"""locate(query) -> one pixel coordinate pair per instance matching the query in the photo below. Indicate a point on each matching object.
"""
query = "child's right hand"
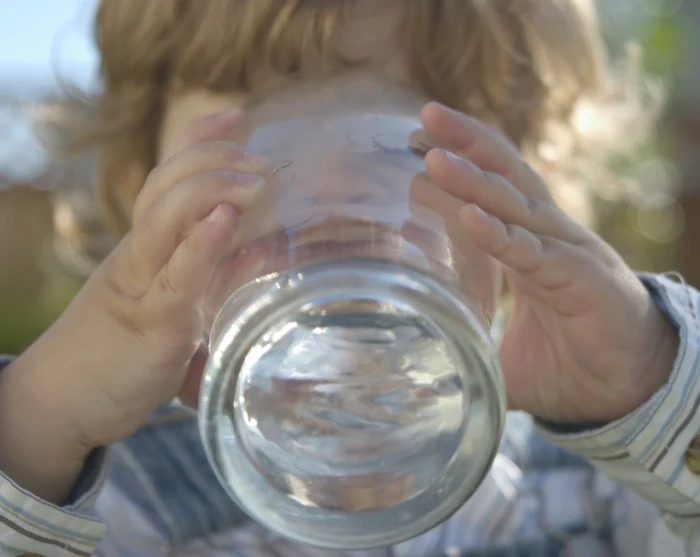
(130, 339)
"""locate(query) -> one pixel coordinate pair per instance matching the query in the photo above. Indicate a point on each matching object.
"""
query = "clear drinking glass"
(352, 398)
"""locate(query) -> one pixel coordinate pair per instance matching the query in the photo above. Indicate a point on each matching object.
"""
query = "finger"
(484, 146)
(435, 229)
(183, 280)
(202, 158)
(156, 236)
(434, 215)
(426, 194)
(419, 142)
(497, 196)
(541, 260)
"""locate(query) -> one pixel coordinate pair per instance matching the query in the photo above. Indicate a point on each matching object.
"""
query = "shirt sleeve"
(649, 450)
(31, 526)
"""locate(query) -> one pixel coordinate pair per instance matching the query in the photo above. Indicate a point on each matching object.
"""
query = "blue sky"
(38, 37)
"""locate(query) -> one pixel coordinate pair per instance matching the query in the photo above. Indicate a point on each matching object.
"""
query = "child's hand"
(585, 342)
(127, 343)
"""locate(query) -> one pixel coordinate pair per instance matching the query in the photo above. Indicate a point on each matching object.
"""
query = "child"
(589, 350)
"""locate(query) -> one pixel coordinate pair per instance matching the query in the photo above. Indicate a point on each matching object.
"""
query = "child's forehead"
(370, 33)
(217, 71)
(371, 29)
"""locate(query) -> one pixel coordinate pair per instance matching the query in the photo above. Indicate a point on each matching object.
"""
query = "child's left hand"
(585, 342)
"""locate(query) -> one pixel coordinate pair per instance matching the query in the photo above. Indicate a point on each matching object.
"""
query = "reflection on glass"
(352, 398)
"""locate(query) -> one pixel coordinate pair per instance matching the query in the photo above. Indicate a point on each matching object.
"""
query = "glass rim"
(246, 316)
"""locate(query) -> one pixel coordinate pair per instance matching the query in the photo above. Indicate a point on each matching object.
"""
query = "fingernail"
(217, 214)
(251, 181)
(443, 107)
(461, 163)
(483, 214)
(436, 104)
(471, 209)
(454, 159)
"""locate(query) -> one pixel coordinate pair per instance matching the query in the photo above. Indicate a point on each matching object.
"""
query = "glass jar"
(352, 397)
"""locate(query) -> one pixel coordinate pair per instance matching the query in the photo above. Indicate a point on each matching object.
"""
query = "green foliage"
(644, 233)
(25, 317)
(662, 40)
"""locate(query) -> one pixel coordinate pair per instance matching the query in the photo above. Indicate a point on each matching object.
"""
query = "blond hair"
(526, 65)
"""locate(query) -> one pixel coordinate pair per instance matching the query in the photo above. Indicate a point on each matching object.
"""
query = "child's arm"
(29, 524)
(588, 342)
(653, 450)
(128, 343)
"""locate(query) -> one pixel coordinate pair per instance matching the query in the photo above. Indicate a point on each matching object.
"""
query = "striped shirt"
(622, 490)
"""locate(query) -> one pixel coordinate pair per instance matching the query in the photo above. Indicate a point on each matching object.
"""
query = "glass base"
(350, 405)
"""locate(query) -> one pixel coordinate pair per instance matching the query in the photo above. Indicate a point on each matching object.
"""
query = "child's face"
(369, 34)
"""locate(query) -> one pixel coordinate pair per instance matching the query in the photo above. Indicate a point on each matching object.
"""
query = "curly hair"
(534, 68)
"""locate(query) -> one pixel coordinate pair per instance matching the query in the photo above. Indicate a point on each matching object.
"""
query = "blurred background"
(656, 228)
